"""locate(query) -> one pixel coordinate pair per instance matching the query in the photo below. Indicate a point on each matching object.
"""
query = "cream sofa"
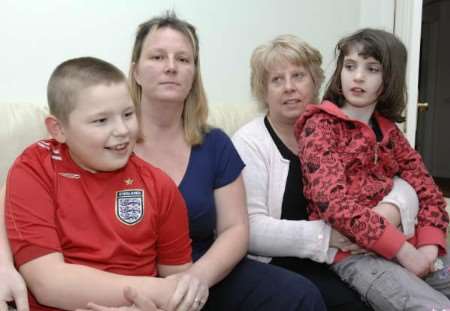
(22, 124)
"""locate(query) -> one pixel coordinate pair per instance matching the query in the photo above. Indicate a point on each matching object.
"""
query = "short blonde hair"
(283, 48)
(195, 112)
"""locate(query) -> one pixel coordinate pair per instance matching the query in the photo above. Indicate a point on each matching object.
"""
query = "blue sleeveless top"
(213, 164)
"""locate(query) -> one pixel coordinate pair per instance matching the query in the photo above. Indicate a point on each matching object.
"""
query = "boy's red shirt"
(125, 222)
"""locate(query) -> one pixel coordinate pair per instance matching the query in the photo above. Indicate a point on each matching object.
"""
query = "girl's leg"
(388, 286)
(440, 280)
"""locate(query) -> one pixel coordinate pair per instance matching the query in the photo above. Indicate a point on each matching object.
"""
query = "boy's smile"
(101, 131)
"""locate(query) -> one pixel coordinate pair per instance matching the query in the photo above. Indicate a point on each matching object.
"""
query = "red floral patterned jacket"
(347, 172)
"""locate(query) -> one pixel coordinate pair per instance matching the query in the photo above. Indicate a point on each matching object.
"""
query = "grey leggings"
(386, 285)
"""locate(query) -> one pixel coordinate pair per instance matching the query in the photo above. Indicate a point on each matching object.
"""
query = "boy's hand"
(431, 254)
(137, 301)
(12, 288)
(190, 294)
(413, 260)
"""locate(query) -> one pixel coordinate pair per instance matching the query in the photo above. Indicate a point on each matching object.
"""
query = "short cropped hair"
(195, 112)
(386, 48)
(283, 48)
(74, 75)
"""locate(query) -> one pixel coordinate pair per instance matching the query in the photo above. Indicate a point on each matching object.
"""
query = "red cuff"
(431, 236)
(31, 252)
(180, 260)
(389, 243)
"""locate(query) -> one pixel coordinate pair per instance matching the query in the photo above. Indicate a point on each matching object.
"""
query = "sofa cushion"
(231, 117)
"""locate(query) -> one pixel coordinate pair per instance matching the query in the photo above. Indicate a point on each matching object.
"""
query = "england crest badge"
(130, 206)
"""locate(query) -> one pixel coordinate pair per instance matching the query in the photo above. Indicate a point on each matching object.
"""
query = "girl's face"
(361, 79)
(165, 70)
(289, 88)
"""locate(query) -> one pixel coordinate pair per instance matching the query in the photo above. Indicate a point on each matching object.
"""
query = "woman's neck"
(164, 144)
(159, 119)
(285, 131)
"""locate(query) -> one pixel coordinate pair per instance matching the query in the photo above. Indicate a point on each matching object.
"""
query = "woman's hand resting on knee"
(340, 241)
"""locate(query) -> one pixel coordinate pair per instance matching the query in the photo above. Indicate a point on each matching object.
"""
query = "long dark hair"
(391, 53)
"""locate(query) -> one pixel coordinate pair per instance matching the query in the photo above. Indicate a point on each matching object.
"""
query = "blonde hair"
(72, 76)
(195, 112)
(283, 48)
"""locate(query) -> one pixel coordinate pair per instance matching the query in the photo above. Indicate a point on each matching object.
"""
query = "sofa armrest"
(21, 125)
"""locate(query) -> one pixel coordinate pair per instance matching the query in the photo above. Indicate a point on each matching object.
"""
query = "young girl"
(351, 149)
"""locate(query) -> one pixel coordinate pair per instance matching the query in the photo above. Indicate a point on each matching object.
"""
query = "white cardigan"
(265, 176)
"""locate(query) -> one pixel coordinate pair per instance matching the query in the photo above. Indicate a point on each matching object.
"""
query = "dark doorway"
(433, 118)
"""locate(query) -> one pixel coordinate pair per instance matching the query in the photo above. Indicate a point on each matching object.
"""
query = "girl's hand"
(138, 303)
(431, 254)
(413, 260)
(190, 294)
(12, 288)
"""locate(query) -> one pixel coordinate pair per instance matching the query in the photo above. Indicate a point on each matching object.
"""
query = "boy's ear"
(55, 128)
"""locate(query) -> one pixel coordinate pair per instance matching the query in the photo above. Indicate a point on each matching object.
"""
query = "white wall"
(379, 14)
(408, 26)
(38, 35)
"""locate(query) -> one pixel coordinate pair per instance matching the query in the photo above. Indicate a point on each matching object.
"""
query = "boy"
(85, 216)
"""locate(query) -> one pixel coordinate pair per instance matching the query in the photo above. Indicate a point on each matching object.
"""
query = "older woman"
(286, 75)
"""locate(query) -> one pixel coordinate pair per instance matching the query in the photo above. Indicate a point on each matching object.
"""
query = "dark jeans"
(338, 296)
(258, 286)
